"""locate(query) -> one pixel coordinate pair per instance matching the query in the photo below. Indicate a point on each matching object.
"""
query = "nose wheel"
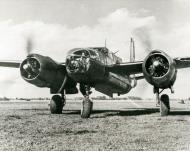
(56, 104)
(87, 104)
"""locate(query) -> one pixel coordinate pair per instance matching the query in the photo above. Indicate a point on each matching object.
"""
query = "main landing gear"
(163, 101)
(87, 104)
(57, 103)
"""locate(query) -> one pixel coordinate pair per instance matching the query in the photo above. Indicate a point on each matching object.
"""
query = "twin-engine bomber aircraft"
(101, 69)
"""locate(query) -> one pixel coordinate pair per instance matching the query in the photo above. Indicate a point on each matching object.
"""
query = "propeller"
(157, 66)
(29, 45)
(31, 67)
(143, 34)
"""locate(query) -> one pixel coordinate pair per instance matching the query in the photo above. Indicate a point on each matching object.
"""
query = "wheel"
(164, 105)
(87, 106)
(56, 104)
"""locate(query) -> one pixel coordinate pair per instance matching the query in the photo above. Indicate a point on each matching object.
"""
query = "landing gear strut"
(163, 101)
(57, 103)
(87, 104)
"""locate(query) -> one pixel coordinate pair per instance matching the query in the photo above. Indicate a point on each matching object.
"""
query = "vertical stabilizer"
(132, 50)
(132, 59)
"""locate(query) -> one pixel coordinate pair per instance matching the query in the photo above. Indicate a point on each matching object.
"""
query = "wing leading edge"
(126, 68)
(123, 68)
(10, 63)
(136, 67)
(182, 62)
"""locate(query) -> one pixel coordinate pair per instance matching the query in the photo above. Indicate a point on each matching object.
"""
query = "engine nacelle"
(159, 69)
(42, 71)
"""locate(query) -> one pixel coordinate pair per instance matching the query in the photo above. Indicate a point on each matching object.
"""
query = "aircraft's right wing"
(10, 63)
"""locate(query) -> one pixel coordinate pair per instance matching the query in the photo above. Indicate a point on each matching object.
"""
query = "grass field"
(114, 125)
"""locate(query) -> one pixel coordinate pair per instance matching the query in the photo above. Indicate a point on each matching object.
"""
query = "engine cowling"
(43, 71)
(159, 69)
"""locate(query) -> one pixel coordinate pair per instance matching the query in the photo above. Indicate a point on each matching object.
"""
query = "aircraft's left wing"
(126, 68)
(130, 68)
(10, 63)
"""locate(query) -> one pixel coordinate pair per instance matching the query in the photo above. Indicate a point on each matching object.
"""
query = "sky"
(56, 26)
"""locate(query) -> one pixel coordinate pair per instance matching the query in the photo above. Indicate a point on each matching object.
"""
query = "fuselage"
(88, 66)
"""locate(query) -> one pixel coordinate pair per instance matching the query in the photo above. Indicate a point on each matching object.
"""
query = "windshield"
(82, 53)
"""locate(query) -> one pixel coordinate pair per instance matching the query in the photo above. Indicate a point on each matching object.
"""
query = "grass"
(30, 126)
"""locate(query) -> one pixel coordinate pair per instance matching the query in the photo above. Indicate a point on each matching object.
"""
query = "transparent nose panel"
(77, 63)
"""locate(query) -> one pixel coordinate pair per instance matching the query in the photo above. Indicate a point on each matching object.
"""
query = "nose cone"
(74, 65)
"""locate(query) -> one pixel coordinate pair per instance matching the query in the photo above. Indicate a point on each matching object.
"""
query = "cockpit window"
(82, 52)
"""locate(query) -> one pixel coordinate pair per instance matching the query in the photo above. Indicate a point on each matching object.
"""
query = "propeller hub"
(25, 66)
(156, 63)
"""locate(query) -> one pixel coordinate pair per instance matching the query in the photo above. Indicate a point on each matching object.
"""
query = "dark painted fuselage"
(88, 66)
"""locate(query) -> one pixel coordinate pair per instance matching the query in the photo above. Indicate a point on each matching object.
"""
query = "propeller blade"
(29, 46)
(144, 36)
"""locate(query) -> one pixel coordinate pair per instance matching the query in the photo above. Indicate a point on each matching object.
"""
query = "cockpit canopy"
(78, 61)
(90, 53)
(82, 53)
(101, 54)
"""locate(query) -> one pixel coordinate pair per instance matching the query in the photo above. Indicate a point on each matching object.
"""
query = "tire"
(87, 106)
(164, 105)
(56, 104)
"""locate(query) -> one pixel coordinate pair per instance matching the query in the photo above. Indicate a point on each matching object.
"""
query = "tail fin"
(132, 59)
(132, 50)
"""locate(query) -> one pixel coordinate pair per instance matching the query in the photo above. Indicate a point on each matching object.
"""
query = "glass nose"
(77, 64)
